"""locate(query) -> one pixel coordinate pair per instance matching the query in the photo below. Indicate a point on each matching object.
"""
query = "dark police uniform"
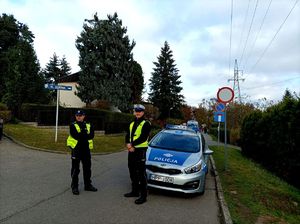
(80, 141)
(1, 128)
(138, 134)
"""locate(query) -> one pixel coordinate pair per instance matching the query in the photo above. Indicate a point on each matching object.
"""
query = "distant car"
(177, 160)
(193, 125)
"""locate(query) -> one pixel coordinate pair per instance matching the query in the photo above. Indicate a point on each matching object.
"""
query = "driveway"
(35, 188)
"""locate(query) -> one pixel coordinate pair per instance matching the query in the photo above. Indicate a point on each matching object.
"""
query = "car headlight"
(195, 168)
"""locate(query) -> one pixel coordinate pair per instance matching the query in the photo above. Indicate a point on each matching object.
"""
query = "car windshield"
(178, 142)
(193, 126)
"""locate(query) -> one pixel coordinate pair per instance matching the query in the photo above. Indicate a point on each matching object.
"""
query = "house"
(69, 98)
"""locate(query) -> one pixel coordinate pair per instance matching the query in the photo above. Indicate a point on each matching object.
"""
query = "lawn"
(253, 194)
(45, 138)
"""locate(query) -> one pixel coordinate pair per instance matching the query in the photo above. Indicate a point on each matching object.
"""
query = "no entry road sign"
(225, 95)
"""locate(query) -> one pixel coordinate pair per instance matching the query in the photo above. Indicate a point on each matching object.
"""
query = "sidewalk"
(210, 142)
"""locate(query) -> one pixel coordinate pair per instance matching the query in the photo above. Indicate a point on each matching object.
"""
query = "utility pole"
(236, 82)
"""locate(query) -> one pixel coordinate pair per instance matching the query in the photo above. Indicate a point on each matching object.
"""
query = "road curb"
(226, 218)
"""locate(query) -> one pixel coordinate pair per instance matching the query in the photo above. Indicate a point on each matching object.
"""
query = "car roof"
(180, 130)
(192, 122)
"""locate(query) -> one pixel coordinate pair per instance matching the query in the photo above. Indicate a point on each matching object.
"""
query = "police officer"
(80, 141)
(137, 143)
(1, 127)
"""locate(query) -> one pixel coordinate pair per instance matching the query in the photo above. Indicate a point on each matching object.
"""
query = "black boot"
(90, 188)
(140, 200)
(75, 191)
(132, 194)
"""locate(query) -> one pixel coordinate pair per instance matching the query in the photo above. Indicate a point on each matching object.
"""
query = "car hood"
(171, 157)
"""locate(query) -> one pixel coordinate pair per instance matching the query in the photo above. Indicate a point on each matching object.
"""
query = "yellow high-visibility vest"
(72, 142)
(138, 133)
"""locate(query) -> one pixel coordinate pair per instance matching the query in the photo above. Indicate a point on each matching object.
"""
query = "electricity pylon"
(236, 82)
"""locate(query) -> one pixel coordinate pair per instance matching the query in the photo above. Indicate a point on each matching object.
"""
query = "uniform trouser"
(75, 170)
(1, 131)
(137, 170)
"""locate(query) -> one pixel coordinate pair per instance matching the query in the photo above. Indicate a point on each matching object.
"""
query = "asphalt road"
(35, 188)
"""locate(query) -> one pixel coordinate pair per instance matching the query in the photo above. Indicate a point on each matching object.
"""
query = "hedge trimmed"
(272, 138)
(111, 122)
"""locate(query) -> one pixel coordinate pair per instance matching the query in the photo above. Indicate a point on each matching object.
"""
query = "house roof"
(70, 78)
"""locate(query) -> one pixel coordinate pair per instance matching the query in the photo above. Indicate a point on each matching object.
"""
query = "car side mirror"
(208, 151)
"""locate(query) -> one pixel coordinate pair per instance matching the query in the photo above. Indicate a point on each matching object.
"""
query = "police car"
(177, 160)
(193, 125)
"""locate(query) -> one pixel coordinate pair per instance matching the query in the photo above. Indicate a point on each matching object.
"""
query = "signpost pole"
(225, 95)
(56, 122)
(57, 88)
(219, 135)
(225, 141)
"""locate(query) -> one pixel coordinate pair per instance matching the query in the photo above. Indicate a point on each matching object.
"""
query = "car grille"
(188, 186)
(157, 169)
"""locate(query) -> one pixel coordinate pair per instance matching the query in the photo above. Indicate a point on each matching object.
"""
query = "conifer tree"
(65, 67)
(165, 84)
(52, 71)
(20, 77)
(137, 84)
(105, 61)
(56, 68)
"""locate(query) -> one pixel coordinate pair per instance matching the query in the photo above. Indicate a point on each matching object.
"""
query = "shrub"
(111, 122)
(272, 138)
(5, 114)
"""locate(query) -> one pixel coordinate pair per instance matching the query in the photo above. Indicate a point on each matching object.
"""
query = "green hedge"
(5, 114)
(272, 138)
(29, 112)
(111, 122)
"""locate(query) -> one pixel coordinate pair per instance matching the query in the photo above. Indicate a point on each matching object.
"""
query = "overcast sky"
(198, 32)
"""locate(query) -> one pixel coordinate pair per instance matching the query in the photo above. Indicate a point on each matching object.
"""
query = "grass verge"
(253, 194)
(44, 138)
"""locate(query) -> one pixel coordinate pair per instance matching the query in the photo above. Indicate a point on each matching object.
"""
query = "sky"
(206, 36)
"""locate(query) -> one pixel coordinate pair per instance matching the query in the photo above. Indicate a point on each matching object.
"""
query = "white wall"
(68, 98)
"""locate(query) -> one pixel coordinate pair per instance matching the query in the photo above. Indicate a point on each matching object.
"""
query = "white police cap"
(138, 107)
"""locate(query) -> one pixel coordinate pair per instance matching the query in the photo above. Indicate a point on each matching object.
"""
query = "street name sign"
(59, 87)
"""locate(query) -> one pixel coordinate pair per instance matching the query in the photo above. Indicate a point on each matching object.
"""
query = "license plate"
(161, 178)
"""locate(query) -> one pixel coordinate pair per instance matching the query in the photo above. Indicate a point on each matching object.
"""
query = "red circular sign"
(225, 95)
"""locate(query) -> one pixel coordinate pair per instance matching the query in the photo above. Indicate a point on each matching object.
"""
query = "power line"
(229, 66)
(245, 19)
(274, 36)
(254, 12)
(261, 25)
(274, 83)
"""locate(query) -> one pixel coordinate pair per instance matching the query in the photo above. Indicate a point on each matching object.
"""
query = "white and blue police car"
(177, 160)
(193, 124)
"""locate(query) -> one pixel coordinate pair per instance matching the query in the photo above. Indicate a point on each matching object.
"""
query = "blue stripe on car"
(168, 156)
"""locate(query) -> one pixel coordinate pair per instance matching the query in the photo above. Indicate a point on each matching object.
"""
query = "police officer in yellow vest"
(80, 141)
(137, 143)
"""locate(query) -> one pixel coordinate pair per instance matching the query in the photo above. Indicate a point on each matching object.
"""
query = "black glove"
(83, 133)
(74, 153)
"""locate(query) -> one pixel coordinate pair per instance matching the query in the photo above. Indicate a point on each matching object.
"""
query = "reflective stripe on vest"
(138, 133)
(72, 142)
